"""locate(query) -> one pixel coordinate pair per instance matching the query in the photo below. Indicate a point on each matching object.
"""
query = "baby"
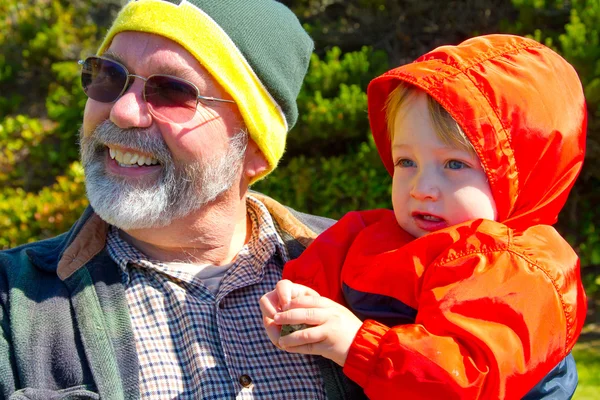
(464, 290)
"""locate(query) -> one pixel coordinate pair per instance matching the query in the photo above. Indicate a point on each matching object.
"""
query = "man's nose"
(130, 110)
(425, 186)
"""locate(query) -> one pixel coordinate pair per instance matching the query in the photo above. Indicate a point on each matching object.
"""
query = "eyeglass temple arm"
(214, 99)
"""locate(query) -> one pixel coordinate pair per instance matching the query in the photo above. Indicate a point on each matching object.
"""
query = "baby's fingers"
(306, 341)
(311, 301)
(309, 316)
(287, 291)
(269, 304)
(284, 290)
(272, 330)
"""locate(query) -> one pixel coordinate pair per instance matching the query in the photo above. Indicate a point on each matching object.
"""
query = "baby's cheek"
(472, 204)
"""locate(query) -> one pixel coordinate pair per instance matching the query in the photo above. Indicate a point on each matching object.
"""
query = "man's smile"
(130, 158)
(129, 163)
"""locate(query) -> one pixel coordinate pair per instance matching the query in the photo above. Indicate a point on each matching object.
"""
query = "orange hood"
(522, 107)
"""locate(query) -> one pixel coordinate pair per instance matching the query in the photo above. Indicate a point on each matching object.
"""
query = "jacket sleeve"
(7, 359)
(489, 325)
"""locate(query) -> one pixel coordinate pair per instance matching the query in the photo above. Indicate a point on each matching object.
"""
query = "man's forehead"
(155, 54)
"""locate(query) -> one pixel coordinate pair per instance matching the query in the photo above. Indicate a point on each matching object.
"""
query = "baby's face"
(435, 185)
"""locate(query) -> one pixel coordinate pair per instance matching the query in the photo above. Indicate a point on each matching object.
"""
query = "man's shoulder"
(44, 252)
(290, 219)
(315, 222)
(29, 267)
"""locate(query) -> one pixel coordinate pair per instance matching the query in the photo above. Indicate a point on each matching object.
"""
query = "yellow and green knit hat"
(256, 49)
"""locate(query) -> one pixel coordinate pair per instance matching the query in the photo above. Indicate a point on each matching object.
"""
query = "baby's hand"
(279, 300)
(332, 331)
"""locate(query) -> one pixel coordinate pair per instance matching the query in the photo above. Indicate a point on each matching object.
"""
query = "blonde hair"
(445, 126)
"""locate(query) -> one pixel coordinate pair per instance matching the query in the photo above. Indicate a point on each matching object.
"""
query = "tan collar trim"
(286, 220)
(88, 242)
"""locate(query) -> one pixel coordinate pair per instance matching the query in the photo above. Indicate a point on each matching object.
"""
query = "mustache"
(138, 139)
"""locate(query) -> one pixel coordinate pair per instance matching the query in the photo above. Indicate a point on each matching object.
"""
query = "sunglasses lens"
(171, 98)
(103, 80)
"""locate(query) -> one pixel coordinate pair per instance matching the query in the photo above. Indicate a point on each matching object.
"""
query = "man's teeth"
(125, 159)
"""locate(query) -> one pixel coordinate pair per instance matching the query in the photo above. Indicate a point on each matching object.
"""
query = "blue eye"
(455, 164)
(405, 163)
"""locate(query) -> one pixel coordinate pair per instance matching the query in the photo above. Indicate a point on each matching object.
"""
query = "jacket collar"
(90, 241)
(46, 254)
(69, 252)
(287, 220)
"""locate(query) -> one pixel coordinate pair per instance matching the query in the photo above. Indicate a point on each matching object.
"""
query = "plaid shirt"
(192, 344)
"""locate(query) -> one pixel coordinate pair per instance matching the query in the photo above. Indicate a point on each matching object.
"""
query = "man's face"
(143, 171)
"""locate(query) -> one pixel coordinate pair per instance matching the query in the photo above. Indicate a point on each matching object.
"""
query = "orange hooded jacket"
(481, 309)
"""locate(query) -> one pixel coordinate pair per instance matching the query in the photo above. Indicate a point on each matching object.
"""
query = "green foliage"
(552, 15)
(580, 44)
(27, 217)
(333, 102)
(39, 149)
(330, 154)
(589, 247)
(355, 68)
(353, 181)
(34, 35)
(587, 357)
(583, 232)
(21, 136)
(41, 103)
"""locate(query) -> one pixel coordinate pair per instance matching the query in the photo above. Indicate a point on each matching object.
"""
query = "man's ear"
(255, 162)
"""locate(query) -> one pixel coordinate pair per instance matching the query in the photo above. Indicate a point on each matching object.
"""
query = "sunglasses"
(168, 97)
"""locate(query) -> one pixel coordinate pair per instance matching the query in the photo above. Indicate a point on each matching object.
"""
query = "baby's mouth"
(428, 222)
(427, 217)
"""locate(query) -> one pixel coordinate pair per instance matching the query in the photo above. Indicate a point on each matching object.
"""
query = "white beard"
(179, 191)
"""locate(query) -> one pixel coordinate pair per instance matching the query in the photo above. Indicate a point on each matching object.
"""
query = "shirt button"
(245, 381)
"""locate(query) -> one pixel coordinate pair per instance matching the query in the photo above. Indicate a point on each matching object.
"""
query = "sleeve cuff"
(364, 351)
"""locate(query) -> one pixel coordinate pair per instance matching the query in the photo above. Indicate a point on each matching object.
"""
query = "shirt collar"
(266, 237)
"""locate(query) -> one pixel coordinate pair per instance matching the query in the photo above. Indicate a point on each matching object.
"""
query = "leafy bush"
(41, 104)
(333, 103)
(21, 135)
(332, 186)
(27, 217)
(588, 368)
(330, 155)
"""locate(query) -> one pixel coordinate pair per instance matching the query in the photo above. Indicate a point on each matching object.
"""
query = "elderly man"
(154, 292)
